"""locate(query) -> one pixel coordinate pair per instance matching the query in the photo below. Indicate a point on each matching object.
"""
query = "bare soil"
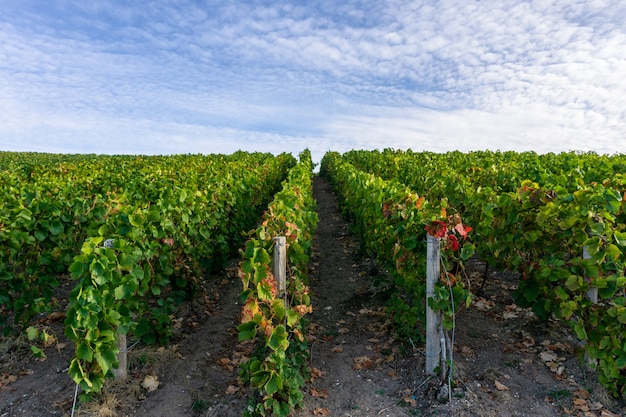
(506, 362)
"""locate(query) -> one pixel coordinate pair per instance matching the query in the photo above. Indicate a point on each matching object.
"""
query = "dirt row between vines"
(506, 362)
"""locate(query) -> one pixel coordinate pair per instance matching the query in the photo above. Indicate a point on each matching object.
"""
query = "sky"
(184, 76)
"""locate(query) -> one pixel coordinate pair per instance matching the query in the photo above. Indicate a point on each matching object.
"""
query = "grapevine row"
(558, 219)
(392, 221)
(152, 227)
(278, 369)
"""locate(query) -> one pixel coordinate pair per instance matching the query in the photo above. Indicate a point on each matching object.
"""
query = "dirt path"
(507, 363)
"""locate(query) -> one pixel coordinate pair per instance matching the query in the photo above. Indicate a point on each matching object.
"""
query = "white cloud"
(441, 75)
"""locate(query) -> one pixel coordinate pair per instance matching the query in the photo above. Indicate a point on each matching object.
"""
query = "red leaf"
(437, 228)
(452, 243)
(463, 230)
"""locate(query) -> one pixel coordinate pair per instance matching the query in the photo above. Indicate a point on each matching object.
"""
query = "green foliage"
(149, 227)
(277, 370)
(537, 215)
(392, 221)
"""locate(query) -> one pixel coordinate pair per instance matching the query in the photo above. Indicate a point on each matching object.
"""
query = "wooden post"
(592, 292)
(433, 344)
(280, 264)
(592, 295)
(121, 372)
(122, 357)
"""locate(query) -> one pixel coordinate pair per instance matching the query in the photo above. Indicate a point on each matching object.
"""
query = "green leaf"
(278, 307)
(620, 238)
(126, 262)
(274, 383)
(467, 251)
(613, 252)
(84, 352)
(265, 290)
(106, 360)
(532, 235)
(38, 352)
(278, 339)
(41, 235)
(569, 222)
(32, 333)
(122, 292)
(573, 283)
(593, 245)
(136, 220)
(579, 328)
(247, 331)
(56, 228)
(292, 317)
(597, 228)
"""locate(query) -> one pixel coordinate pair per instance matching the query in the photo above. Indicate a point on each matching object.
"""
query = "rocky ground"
(506, 362)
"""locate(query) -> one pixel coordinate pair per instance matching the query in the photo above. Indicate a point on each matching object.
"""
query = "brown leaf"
(483, 304)
(528, 341)
(321, 412)
(467, 351)
(150, 383)
(547, 356)
(582, 393)
(316, 373)
(362, 362)
(231, 390)
(409, 400)
(223, 361)
(500, 386)
(319, 394)
(7, 379)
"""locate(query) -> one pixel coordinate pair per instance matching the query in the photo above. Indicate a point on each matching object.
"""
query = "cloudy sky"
(184, 76)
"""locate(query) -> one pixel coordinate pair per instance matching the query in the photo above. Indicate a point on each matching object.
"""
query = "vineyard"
(137, 237)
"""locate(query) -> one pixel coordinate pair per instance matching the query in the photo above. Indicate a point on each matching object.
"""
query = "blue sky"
(182, 76)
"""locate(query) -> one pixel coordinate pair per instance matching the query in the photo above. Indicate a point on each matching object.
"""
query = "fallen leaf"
(337, 349)
(409, 400)
(321, 412)
(582, 393)
(509, 315)
(150, 383)
(547, 356)
(223, 361)
(316, 373)
(7, 379)
(362, 362)
(500, 386)
(528, 340)
(467, 351)
(596, 406)
(231, 390)
(319, 394)
(483, 304)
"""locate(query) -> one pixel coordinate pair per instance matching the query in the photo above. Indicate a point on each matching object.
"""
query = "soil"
(506, 363)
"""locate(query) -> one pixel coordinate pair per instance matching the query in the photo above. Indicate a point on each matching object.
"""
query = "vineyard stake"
(121, 372)
(433, 344)
(280, 265)
(592, 292)
(592, 295)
